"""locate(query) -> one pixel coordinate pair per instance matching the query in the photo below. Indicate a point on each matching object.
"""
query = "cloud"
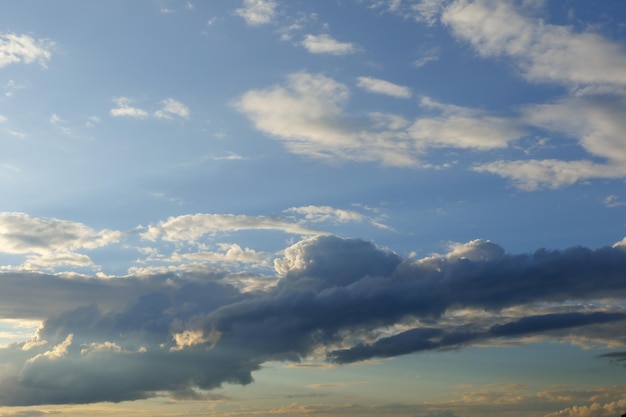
(550, 173)
(427, 11)
(307, 115)
(462, 127)
(23, 48)
(324, 44)
(375, 85)
(124, 108)
(131, 338)
(543, 52)
(257, 12)
(317, 214)
(22, 233)
(172, 108)
(590, 65)
(191, 227)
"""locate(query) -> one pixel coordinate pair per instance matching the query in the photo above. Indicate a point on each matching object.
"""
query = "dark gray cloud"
(127, 339)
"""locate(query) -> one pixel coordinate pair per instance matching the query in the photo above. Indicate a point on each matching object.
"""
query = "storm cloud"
(132, 338)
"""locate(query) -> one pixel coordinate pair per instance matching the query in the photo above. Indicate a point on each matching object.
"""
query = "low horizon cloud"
(338, 300)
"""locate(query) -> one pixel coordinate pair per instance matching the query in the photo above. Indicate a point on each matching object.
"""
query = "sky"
(408, 208)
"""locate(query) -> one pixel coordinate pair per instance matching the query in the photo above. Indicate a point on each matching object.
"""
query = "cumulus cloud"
(375, 85)
(257, 12)
(23, 48)
(324, 44)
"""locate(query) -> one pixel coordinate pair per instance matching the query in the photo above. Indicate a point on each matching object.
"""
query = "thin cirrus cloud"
(16, 48)
(130, 339)
(378, 86)
(324, 44)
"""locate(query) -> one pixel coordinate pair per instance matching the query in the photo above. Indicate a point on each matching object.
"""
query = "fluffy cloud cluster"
(16, 48)
(131, 338)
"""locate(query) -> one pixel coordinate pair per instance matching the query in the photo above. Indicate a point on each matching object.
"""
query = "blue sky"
(412, 208)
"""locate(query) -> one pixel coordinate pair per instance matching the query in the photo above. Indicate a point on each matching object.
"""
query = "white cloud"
(172, 108)
(427, 56)
(317, 214)
(613, 201)
(50, 243)
(124, 108)
(543, 52)
(375, 85)
(231, 253)
(257, 12)
(427, 11)
(23, 48)
(56, 352)
(307, 114)
(461, 127)
(23, 234)
(190, 227)
(531, 175)
(324, 44)
(595, 121)
(101, 347)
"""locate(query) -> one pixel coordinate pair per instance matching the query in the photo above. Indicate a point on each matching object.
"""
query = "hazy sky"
(407, 208)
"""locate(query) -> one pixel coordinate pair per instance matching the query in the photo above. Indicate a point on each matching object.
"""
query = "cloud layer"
(345, 299)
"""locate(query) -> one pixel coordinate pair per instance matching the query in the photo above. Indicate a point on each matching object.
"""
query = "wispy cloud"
(324, 44)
